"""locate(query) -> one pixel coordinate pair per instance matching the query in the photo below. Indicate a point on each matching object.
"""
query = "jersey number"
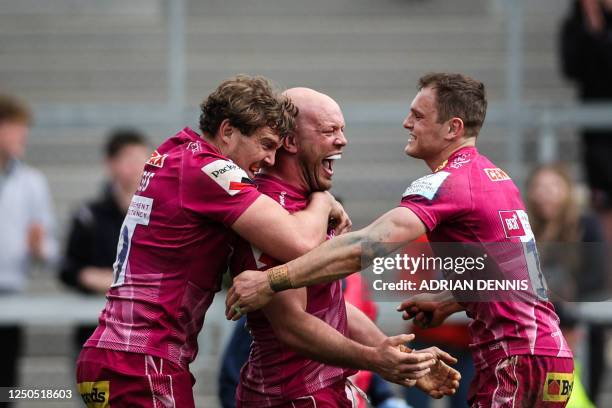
(138, 214)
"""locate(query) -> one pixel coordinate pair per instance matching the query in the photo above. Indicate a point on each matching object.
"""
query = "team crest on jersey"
(194, 147)
(496, 174)
(427, 186)
(95, 394)
(558, 387)
(460, 160)
(229, 176)
(157, 159)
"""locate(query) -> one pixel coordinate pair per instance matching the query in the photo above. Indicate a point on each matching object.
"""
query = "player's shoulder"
(428, 186)
(450, 179)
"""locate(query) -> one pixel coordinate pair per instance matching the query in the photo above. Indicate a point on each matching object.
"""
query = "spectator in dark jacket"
(94, 232)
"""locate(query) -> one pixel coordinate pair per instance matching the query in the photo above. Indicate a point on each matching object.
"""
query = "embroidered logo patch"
(157, 159)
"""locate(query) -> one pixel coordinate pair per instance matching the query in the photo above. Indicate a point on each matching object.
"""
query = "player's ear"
(455, 128)
(225, 132)
(290, 143)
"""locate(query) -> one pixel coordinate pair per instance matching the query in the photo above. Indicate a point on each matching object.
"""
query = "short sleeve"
(217, 188)
(437, 198)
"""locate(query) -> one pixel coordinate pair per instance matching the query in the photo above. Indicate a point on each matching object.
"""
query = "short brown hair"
(13, 110)
(250, 103)
(458, 95)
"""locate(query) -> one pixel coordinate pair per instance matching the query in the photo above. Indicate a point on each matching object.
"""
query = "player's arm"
(317, 340)
(361, 328)
(285, 236)
(332, 260)
(440, 381)
(429, 309)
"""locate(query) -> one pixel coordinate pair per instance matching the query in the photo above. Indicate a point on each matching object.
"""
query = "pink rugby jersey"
(174, 246)
(470, 200)
(274, 373)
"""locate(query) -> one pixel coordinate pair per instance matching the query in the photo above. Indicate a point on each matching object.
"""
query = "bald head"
(313, 106)
(316, 143)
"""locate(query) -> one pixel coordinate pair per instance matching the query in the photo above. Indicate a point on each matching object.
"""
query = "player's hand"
(425, 308)
(339, 219)
(400, 367)
(441, 380)
(250, 291)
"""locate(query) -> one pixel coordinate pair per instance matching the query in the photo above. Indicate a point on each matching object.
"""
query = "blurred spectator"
(586, 51)
(94, 232)
(27, 223)
(572, 261)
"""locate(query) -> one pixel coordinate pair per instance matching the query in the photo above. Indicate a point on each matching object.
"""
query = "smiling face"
(253, 152)
(321, 140)
(427, 136)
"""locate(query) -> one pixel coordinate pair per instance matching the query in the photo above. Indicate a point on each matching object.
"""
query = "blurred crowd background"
(90, 87)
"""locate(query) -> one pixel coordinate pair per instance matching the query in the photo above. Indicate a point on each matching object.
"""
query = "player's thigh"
(495, 386)
(108, 378)
(523, 381)
(554, 378)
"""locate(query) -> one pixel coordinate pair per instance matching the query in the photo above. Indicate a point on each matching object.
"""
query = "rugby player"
(307, 341)
(195, 194)
(520, 354)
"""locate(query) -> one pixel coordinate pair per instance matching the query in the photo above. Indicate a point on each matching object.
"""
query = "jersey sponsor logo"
(512, 223)
(229, 176)
(558, 387)
(242, 184)
(496, 174)
(95, 394)
(427, 186)
(157, 159)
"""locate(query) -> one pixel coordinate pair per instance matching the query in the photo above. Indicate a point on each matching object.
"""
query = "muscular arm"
(361, 328)
(343, 255)
(330, 261)
(317, 340)
(282, 235)
(310, 335)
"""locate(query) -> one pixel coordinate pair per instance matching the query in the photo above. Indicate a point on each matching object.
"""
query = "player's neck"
(289, 171)
(215, 142)
(435, 163)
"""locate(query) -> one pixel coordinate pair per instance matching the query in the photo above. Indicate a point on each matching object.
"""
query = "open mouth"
(328, 162)
(254, 169)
